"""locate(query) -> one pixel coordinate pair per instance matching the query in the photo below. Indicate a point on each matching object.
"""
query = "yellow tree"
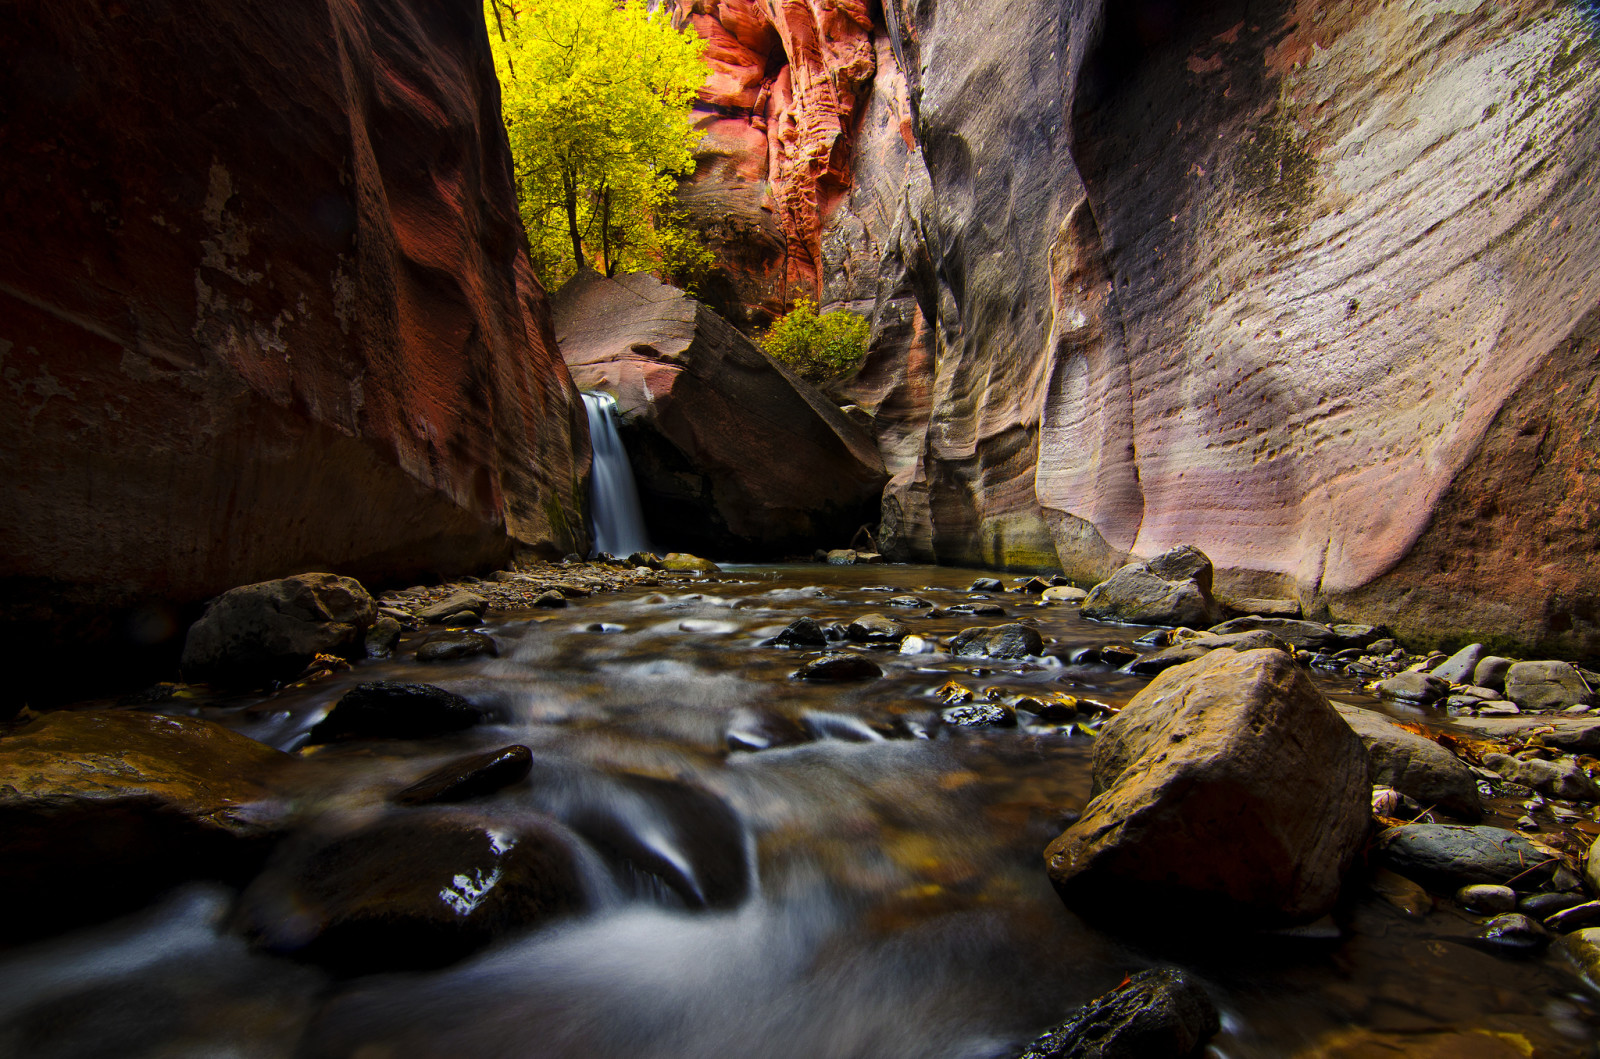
(596, 96)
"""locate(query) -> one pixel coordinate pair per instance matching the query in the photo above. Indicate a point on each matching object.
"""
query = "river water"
(876, 889)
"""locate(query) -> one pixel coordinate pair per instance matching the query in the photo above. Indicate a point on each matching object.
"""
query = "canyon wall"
(1309, 286)
(266, 308)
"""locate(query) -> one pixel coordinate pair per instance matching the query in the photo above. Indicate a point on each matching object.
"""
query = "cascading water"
(613, 497)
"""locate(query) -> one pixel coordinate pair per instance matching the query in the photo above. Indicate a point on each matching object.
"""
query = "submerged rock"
(469, 777)
(386, 709)
(414, 890)
(980, 715)
(456, 647)
(272, 630)
(875, 629)
(100, 811)
(1228, 788)
(839, 668)
(1413, 765)
(1158, 1014)
(1173, 588)
(1000, 641)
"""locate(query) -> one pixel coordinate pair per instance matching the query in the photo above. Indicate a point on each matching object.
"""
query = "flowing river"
(870, 886)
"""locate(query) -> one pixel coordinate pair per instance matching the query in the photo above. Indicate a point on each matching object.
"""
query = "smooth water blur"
(613, 496)
(874, 889)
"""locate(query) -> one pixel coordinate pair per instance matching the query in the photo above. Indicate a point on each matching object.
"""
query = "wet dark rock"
(1114, 655)
(551, 600)
(980, 715)
(1457, 669)
(998, 641)
(1229, 790)
(1174, 588)
(1543, 906)
(272, 630)
(414, 890)
(455, 603)
(457, 646)
(1547, 685)
(875, 629)
(987, 584)
(383, 637)
(1413, 765)
(1486, 899)
(1034, 586)
(1157, 1014)
(839, 668)
(1155, 638)
(1420, 688)
(102, 810)
(385, 709)
(1567, 920)
(682, 835)
(1513, 934)
(802, 632)
(763, 730)
(470, 777)
(649, 560)
(907, 601)
(1165, 659)
(1563, 778)
(1445, 857)
(980, 610)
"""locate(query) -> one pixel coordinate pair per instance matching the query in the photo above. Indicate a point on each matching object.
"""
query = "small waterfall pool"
(613, 496)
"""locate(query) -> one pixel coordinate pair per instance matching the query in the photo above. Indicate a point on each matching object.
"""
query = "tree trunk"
(572, 220)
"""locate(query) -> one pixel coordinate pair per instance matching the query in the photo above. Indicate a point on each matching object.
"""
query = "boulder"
(1582, 948)
(1556, 779)
(457, 646)
(1490, 672)
(272, 630)
(1446, 857)
(417, 889)
(1576, 735)
(684, 563)
(1174, 588)
(1229, 787)
(1309, 635)
(802, 632)
(310, 345)
(1547, 685)
(1458, 668)
(999, 641)
(100, 811)
(453, 604)
(469, 777)
(1413, 765)
(1064, 594)
(875, 629)
(1158, 1014)
(384, 709)
(1420, 688)
(732, 452)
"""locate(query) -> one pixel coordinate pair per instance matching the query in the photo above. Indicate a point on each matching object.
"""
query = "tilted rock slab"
(1228, 788)
(732, 454)
(272, 311)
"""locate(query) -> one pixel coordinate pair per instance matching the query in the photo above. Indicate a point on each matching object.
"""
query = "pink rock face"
(265, 304)
(785, 88)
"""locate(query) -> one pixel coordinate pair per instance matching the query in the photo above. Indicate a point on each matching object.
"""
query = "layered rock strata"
(266, 308)
(733, 455)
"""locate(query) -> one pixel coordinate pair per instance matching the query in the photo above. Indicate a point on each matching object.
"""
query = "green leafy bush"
(817, 348)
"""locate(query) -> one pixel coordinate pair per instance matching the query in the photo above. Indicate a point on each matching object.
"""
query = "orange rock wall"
(264, 306)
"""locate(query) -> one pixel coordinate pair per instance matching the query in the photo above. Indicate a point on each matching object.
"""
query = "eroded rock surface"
(732, 454)
(259, 263)
(259, 632)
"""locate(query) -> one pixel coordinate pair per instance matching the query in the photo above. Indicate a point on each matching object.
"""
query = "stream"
(870, 886)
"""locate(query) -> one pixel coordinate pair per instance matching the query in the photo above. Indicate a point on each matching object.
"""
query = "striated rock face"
(1309, 289)
(732, 454)
(265, 306)
(786, 201)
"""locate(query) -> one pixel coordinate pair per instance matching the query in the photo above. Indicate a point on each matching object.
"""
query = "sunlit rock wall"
(1310, 286)
(264, 307)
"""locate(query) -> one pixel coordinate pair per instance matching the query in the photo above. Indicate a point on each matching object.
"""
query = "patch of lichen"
(1277, 171)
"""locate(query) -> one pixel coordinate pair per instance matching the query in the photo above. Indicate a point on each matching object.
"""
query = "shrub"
(817, 348)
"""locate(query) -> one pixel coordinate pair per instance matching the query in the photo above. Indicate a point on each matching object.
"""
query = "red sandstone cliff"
(264, 304)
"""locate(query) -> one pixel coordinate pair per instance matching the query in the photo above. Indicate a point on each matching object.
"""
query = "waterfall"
(613, 498)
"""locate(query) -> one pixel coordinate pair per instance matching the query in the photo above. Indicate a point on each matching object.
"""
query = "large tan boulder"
(1228, 788)
(733, 455)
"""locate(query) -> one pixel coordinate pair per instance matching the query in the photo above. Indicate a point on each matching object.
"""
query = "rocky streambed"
(797, 810)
